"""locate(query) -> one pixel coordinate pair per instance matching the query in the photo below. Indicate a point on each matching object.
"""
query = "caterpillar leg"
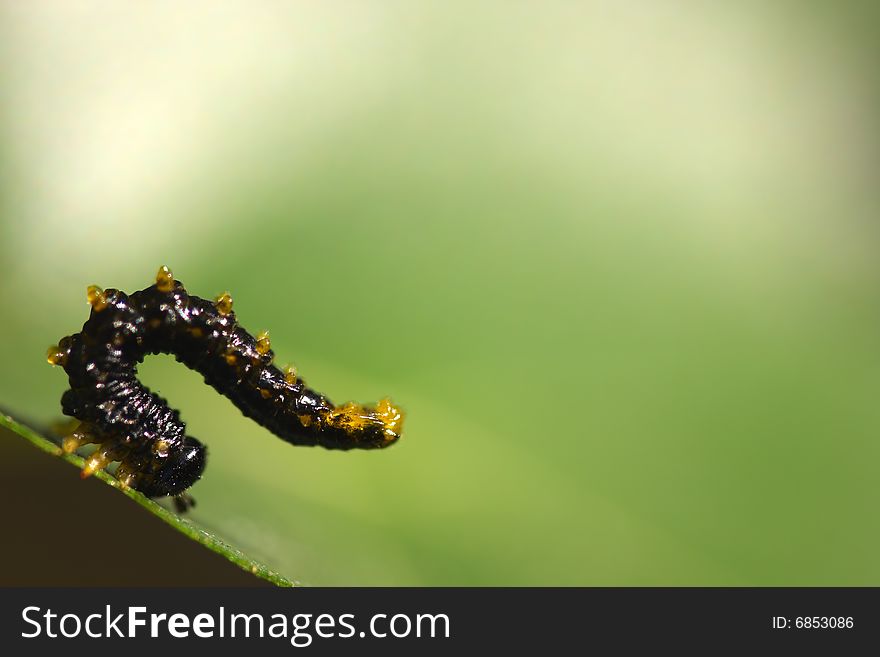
(109, 450)
(127, 473)
(83, 434)
(61, 427)
(184, 502)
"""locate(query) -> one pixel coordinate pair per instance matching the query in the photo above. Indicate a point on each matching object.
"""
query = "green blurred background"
(617, 261)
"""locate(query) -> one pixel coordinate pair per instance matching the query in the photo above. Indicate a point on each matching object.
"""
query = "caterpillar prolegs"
(136, 427)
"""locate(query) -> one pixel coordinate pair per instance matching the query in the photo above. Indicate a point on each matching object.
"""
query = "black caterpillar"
(137, 427)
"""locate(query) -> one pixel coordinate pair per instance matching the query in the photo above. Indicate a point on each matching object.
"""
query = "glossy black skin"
(101, 363)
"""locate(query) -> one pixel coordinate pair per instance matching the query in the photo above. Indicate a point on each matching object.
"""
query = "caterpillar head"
(179, 470)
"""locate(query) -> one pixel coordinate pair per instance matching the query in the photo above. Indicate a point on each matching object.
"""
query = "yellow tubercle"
(264, 345)
(223, 303)
(164, 279)
(290, 374)
(350, 416)
(160, 447)
(391, 417)
(96, 297)
(97, 461)
(56, 356)
(70, 444)
(353, 418)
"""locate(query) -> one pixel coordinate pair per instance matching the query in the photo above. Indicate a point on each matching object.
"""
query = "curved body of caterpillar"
(138, 428)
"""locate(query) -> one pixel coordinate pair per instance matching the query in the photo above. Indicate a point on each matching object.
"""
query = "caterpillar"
(136, 427)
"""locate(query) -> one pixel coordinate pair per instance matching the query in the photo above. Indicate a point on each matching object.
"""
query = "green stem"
(182, 525)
